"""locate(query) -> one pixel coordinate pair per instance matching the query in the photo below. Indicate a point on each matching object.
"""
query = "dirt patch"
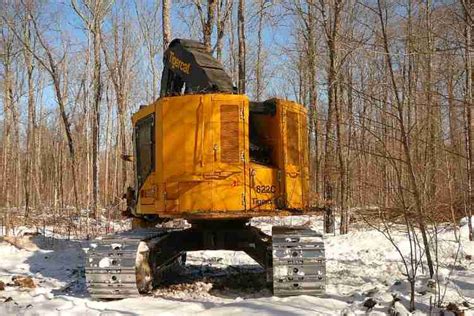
(228, 282)
(24, 282)
(195, 290)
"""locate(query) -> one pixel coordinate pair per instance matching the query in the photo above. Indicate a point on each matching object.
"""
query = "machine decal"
(265, 189)
(177, 63)
(258, 202)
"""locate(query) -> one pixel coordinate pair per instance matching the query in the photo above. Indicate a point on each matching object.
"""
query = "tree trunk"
(97, 80)
(468, 109)
(7, 133)
(329, 148)
(209, 24)
(30, 132)
(224, 12)
(242, 50)
(259, 63)
(313, 96)
(166, 26)
(432, 112)
(106, 199)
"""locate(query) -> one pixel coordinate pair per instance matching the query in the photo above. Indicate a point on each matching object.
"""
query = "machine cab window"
(145, 148)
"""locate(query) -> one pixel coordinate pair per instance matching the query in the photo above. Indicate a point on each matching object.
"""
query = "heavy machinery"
(208, 155)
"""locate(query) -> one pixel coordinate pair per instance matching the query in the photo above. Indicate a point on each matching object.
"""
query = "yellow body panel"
(201, 158)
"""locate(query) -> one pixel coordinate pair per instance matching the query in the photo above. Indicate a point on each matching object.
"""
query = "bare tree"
(259, 63)
(7, 45)
(207, 19)
(405, 141)
(224, 12)
(146, 17)
(242, 50)
(331, 28)
(29, 178)
(118, 59)
(166, 26)
(92, 14)
(468, 109)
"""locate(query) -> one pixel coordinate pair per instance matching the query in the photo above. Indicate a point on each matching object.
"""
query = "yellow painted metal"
(295, 151)
(202, 164)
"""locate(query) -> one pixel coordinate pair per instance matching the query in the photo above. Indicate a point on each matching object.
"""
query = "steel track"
(117, 266)
(125, 264)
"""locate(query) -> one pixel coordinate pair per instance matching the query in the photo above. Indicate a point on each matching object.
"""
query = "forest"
(388, 86)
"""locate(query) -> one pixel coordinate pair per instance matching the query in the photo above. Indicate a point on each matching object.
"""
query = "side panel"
(204, 154)
(198, 132)
(188, 156)
(295, 155)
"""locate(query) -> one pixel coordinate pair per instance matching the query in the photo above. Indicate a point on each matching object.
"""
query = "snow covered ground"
(360, 265)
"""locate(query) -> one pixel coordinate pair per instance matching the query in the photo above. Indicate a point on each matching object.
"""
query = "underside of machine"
(215, 159)
(134, 262)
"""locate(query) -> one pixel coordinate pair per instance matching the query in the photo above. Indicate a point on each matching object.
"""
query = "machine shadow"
(60, 262)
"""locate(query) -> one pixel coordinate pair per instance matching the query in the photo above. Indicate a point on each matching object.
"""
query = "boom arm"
(188, 65)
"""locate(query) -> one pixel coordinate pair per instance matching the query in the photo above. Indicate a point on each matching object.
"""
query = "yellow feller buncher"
(208, 155)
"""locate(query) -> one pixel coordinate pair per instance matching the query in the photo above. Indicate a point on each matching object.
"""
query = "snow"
(360, 265)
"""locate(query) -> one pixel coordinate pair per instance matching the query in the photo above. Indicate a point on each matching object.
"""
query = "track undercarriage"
(131, 263)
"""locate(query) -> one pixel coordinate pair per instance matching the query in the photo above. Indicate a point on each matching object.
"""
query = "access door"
(231, 157)
(294, 123)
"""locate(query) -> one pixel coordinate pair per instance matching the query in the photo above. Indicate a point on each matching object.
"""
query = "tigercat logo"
(177, 63)
(257, 202)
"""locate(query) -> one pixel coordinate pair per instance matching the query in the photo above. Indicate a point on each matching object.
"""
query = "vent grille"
(230, 133)
(292, 137)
